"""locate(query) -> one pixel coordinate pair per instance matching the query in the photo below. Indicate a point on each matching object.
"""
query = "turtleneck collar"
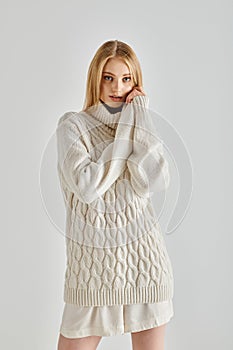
(111, 109)
(104, 113)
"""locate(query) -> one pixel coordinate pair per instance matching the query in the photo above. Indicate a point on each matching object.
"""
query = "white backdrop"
(185, 50)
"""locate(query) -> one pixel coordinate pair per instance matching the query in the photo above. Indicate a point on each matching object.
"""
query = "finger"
(136, 91)
(127, 99)
(140, 90)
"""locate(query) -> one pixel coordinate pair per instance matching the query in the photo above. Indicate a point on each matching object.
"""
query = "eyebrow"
(114, 74)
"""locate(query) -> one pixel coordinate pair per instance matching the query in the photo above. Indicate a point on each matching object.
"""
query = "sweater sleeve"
(147, 165)
(86, 178)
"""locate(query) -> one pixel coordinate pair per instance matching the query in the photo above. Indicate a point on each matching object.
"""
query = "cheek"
(103, 87)
(129, 87)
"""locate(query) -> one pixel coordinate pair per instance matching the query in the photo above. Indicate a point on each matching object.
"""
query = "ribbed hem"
(93, 297)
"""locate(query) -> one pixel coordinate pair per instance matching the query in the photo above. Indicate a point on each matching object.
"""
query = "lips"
(115, 98)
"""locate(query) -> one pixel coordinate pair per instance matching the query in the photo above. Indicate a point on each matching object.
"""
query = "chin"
(112, 103)
(115, 104)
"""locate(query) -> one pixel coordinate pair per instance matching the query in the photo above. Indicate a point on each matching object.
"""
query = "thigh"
(84, 343)
(149, 339)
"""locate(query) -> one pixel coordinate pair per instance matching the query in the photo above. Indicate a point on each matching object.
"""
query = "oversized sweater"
(109, 166)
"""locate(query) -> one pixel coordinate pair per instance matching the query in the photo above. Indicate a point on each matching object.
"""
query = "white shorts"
(112, 320)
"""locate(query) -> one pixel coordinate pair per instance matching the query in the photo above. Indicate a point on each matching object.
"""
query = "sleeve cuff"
(141, 100)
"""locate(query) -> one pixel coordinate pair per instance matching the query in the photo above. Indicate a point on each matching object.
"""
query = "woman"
(119, 276)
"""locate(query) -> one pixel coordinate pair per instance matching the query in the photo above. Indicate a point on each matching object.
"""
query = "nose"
(116, 86)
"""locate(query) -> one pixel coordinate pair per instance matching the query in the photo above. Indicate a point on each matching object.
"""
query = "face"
(116, 82)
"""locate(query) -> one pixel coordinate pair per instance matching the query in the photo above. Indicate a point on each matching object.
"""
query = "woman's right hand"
(137, 91)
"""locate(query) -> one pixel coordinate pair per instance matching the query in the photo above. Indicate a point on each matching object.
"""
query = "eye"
(127, 79)
(107, 77)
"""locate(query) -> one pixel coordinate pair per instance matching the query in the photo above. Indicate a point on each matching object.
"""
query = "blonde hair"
(109, 49)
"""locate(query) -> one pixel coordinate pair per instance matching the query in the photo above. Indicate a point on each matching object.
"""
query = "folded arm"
(147, 165)
(86, 178)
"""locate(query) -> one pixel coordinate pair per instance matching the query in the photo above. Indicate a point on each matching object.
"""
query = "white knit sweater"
(109, 165)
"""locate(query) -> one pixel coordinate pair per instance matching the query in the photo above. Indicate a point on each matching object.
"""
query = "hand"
(137, 90)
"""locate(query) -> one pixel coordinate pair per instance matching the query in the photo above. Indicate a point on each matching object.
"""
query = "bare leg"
(149, 339)
(84, 343)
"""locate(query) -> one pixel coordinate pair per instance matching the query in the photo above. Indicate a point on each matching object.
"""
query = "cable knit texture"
(109, 165)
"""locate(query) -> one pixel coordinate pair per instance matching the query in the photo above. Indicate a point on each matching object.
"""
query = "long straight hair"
(109, 49)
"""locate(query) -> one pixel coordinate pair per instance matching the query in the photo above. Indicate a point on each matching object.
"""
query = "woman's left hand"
(137, 90)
